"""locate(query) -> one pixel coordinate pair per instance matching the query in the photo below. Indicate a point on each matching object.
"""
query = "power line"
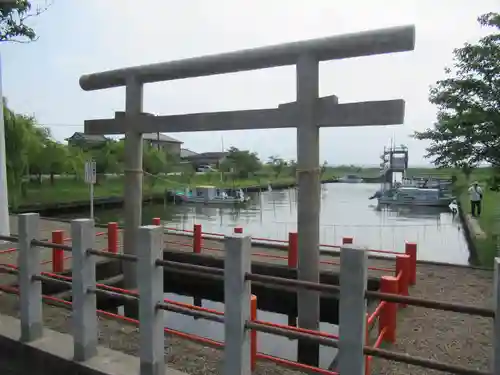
(60, 125)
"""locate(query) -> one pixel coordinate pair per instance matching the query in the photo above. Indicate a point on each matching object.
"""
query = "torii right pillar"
(309, 198)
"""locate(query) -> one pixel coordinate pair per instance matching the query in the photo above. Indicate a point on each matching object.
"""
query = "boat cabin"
(418, 194)
(211, 193)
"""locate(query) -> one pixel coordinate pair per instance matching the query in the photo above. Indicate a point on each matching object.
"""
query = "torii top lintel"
(366, 43)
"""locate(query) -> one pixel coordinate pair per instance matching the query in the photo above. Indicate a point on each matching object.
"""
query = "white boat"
(351, 179)
(211, 195)
(429, 182)
(414, 196)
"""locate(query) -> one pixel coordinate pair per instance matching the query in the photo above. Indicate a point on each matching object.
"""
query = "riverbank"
(485, 229)
(65, 189)
(73, 195)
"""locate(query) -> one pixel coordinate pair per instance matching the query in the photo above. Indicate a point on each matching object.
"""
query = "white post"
(30, 290)
(4, 197)
(237, 296)
(83, 290)
(352, 310)
(92, 201)
(90, 178)
(150, 283)
(496, 322)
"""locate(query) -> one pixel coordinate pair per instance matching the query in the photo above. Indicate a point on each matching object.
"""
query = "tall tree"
(241, 163)
(155, 162)
(467, 131)
(278, 165)
(14, 17)
(55, 156)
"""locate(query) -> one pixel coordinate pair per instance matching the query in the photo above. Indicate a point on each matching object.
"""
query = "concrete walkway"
(53, 354)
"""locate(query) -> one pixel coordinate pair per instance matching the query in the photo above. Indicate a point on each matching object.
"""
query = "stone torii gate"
(307, 114)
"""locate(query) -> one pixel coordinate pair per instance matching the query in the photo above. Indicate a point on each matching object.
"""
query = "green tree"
(241, 163)
(76, 162)
(292, 165)
(17, 133)
(105, 159)
(37, 138)
(54, 156)
(14, 15)
(277, 164)
(155, 162)
(467, 131)
(323, 169)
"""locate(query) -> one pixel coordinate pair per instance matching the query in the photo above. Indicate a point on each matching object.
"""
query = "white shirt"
(475, 193)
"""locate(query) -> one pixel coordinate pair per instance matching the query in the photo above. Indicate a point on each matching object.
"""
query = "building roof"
(87, 137)
(186, 153)
(161, 137)
(208, 155)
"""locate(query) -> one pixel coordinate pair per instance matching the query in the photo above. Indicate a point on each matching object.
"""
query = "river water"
(345, 212)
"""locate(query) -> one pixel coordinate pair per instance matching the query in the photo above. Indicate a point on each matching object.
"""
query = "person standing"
(476, 195)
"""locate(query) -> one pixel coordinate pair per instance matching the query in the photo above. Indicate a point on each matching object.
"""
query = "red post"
(403, 270)
(238, 230)
(253, 333)
(347, 240)
(58, 254)
(197, 235)
(156, 221)
(411, 250)
(367, 343)
(113, 237)
(293, 249)
(388, 315)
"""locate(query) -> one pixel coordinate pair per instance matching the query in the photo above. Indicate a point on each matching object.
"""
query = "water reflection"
(345, 211)
(266, 343)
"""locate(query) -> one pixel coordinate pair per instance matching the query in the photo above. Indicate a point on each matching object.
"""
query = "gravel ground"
(181, 354)
(444, 336)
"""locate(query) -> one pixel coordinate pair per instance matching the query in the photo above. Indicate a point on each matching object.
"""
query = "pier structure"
(26, 339)
(394, 160)
(307, 114)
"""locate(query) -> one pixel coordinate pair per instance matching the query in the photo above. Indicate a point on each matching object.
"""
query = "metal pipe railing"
(238, 316)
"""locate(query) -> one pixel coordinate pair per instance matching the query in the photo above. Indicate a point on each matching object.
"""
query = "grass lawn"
(68, 189)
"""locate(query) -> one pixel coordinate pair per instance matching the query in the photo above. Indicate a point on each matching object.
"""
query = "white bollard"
(30, 290)
(150, 284)
(352, 310)
(237, 294)
(83, 290)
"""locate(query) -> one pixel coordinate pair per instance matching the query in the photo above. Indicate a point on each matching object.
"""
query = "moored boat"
(414, 196)
(351, 179)
(211, 195)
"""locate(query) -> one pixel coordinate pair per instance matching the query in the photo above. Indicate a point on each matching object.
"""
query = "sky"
(85, 36)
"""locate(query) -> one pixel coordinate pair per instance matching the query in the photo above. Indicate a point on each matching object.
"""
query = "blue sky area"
(86, 36)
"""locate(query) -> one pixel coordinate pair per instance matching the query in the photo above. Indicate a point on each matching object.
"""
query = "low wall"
(473, 259)
(81, 206)
(53, 354)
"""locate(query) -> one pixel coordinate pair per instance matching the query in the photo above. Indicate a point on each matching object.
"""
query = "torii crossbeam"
(307, 114)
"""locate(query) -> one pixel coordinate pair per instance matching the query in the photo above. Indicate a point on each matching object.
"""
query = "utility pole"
(4, 197)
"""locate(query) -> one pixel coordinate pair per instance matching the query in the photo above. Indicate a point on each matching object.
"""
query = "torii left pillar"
(133, 179)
